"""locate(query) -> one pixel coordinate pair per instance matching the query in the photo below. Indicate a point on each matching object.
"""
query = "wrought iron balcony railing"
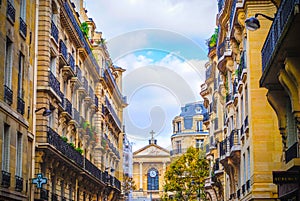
(54, 31)
(20, 105)
(8, 95)
(232, 12)
(76, 116)
(81, 36)
(96, 101)
(54, 84)
(234, 139)
(90, 167)
(5, 179)
(68, 106)
(292, 152)
(248, 185)
(112, 112)
(71, 62)
(11, 11)
(66, 149)
(23, 27)
(208, 72)
(19, 183)
(78, 73)
(223, 147)
(63, 50)
(112, 79)
(220, 4)
(279, 25)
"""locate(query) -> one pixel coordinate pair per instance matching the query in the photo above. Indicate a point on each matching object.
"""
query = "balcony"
(248, 185)
(54, 31)
(5, 179)
(63, 52)
(19, 183)
(85, 84)
(96, 101)
(292, 152)
(23, 28)
(238, 193)
(54, 139)
(223, 52)
(10, 12)
(282, 38)
(220, 4)
(91, 93)
(243, 189)
(68, 106)
(223, 148)
(70, 153)
(109, 78)
(20, 106)
(86, 45)
(234, 141)
(110, 110)
(54, 84)
(204, 89)
(76, 116)
(8, 95)
(246, 125)
(208, 72)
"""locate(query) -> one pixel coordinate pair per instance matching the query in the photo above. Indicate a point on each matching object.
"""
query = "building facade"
(17, 19)
(245, 149)
(149, 166)
(188, 129)
(61, 105)
(127, 163)
(280, 76)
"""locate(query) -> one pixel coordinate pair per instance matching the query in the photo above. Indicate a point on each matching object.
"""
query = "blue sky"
(161, 44)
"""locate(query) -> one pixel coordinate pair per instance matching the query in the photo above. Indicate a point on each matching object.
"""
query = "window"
(242, 108)
(246, 100)
(19, 155)
(23, 9)
(8, 62)
(20, 75)
(5, 148)
(199, 143)
(53, 65)
(70, 192)
(248, 163)
(178, 126)
(244, 169)
(153, 182)
(199, 126)
(178, 146)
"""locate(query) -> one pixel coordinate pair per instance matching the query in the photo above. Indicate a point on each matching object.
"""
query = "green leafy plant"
(85, 28)
(72, 144)
(64, 138)
(79, 150)
(212, 41)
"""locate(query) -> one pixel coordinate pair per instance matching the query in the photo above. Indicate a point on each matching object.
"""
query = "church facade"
(149, 167)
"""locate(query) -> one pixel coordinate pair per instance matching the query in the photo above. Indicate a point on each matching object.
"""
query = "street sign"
(40, 180)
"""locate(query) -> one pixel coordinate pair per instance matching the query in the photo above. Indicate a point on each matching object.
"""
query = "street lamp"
(47, 111)
(252, 23)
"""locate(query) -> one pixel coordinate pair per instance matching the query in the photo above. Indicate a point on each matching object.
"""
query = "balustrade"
(19, 183)
(63, 50)
(8, 95)
(54, 31)
(20, 105)
(11, 11)
(5, 179)
(23, 28)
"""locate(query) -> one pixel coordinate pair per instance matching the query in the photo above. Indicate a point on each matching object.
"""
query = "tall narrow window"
(248, 164)
(23, 9)
(5, 148)
(199, 126)
(20, 76)
(244, 169)
(19, 155)
(70, 192)
(53, 65)
(178, 146)
(242, 109)
(179, 126)
(246, 100)
(153, 182)
(8, 62)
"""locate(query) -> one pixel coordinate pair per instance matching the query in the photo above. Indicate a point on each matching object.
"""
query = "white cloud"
(193, 18)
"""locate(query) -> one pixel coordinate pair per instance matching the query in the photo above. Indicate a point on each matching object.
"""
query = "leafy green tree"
(128, 185)
(186, 176)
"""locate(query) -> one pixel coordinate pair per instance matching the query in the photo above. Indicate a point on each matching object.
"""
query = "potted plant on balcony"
(79, 150)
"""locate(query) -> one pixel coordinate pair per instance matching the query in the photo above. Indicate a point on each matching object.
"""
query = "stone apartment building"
(245, 144)
(61, 105)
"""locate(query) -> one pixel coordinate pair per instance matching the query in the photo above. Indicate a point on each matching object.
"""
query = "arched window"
(153, 182)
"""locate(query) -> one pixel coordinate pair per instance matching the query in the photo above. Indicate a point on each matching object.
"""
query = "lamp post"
(252, 23)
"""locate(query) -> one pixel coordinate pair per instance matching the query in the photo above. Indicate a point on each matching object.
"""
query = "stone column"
(141, 175)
